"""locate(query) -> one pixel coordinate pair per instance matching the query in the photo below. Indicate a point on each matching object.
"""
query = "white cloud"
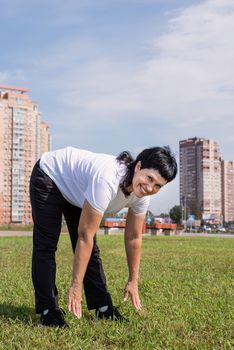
(182, 78)
(190, 72)
(4, 76)
(11, 76)
(194, 61)
(185, 81)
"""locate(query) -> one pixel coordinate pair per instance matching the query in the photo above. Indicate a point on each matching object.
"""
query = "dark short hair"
(157, 158)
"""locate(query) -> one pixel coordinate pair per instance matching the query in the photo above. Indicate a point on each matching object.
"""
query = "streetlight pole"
(185, 214)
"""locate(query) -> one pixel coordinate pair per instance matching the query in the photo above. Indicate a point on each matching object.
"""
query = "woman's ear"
(138, 166)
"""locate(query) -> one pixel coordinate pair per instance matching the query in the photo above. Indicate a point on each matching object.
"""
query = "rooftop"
(13, 88)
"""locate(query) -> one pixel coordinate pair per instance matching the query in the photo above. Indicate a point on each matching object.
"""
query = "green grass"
(186, 287)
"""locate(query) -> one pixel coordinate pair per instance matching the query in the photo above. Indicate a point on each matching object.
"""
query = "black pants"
(48, 206)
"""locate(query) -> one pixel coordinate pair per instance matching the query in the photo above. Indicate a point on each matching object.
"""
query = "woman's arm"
(89, 223)
(133, 238)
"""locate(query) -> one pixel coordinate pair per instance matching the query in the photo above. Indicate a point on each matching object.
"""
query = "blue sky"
(110, 75)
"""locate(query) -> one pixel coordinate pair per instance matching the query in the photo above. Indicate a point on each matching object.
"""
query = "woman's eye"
(150, 178)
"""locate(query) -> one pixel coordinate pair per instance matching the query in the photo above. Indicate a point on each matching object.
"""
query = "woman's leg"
(47, 202)
(94, 281)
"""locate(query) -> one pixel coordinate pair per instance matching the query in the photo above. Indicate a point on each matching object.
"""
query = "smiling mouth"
(143, 191)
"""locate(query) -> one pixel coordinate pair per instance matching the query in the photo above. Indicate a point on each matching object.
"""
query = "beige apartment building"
(23, 138)
(200, 178)
(227, 171)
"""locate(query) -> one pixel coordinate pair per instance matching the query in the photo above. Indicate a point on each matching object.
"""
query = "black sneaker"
(112, 313)
(54, 318)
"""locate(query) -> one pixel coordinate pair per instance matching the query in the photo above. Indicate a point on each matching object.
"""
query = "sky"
(114, 75)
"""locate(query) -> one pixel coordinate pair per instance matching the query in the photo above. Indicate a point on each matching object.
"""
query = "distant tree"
(149, 213)
(163, 215)
(176, 214)
(149, 217)
(195, 208)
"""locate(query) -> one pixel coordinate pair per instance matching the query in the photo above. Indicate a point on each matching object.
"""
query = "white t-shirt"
(82, 175)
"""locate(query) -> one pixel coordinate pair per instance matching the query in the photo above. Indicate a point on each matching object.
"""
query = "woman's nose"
(149, 188)
(152, 189)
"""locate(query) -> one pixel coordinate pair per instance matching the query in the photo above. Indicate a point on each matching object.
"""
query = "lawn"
(186, 288)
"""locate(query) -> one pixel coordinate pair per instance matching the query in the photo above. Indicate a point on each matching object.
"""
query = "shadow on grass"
(26, 315)
(18, 314)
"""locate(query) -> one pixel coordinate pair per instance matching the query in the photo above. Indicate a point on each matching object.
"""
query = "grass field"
(186, 286)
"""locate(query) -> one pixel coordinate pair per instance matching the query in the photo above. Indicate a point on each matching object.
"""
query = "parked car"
(207, 228)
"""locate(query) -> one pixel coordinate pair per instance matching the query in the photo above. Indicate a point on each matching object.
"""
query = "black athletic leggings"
(48, 206)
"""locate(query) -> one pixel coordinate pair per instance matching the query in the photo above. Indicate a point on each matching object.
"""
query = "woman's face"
(146, 182)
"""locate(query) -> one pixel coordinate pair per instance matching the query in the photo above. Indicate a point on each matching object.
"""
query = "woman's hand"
(74, 300)
(132, 289)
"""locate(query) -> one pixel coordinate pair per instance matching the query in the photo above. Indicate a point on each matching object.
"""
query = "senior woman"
(82, 186)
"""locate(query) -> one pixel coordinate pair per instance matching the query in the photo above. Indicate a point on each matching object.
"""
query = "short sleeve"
(141, 205)
(99, 194)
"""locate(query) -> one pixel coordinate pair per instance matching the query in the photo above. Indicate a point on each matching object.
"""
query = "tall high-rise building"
(23, 138)
(200, 177)
(227, 171)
